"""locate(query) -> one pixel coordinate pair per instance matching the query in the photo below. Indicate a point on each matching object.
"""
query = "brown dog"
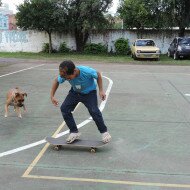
(15, 97)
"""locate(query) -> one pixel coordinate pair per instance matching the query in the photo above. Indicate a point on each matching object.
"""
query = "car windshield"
(145, 43)
(185, 41)
(179, 40)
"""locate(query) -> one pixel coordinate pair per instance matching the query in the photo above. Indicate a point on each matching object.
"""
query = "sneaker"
(106, 137)
(72, 137)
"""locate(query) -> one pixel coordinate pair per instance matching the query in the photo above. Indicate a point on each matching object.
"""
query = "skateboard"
(60, 142)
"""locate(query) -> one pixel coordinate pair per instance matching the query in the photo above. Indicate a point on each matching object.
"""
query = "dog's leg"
(18, 112)
(6, 110)
(24, 108)
(7, 103)
(14, 108)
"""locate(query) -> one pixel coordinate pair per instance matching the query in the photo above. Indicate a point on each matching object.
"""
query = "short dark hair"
(69, 67)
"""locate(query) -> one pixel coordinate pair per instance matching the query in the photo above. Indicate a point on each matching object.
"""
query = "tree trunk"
(50, 42)
(81, 39)
(139, 33)
(181, 32)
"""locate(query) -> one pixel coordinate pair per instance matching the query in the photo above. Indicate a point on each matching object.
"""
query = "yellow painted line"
(30, 168)
(110, 181)
(38, 157)
(36, 160)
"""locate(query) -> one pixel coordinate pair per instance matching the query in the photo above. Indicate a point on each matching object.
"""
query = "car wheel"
(176, 56)
(169, 53)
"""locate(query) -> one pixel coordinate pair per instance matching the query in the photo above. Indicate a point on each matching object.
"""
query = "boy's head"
(67, 70)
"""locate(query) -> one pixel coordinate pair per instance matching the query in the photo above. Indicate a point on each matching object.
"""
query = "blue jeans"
(91, 103)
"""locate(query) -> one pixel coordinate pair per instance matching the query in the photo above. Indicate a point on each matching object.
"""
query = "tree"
(156, 14)
(142, 14)
(134, 14)
(84, 16)
(111, 20)
(77, 16)
(179, 9)
(42, 15)
(155, 9)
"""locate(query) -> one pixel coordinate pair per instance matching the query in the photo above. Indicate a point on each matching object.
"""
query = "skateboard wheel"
(58, 147)
(92, 150)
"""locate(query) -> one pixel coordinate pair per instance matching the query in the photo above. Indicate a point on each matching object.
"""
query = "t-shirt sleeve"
(60, 79)
(93, 73)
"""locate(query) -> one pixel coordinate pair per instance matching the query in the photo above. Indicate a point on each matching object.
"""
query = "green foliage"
(85, 16)
(42, 15)
(38, 15)
(179, 14)
(77, 16)
(95, 48)
(157, 14)
(142, 14)
(134, 14)
(122, 46)
(63, 48)
(45, 48)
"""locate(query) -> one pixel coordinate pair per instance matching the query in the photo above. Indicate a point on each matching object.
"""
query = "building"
(7, 18)
(4, 22)
(12, 22)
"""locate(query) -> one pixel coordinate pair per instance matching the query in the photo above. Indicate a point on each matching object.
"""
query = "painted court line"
(119, 182)
(21, 70)
(30, 168)
(110, 181)
(33, 144)
(102, 105)
(66, 132)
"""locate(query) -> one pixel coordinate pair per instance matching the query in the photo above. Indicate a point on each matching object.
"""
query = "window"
(185, 41)
(145, 43)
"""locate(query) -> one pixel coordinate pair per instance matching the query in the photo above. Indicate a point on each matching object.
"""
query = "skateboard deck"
(61, 142)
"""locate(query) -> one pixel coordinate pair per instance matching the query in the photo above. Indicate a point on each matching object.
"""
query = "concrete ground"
(147, 113)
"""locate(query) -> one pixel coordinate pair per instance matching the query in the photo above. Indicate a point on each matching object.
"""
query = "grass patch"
(164, 60)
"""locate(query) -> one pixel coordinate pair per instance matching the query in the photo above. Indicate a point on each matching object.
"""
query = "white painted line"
(21, 70)
(102, 105)
(187, 94)
(22, 148)
(47, 69)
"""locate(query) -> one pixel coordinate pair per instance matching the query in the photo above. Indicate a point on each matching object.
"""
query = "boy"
(83, 89)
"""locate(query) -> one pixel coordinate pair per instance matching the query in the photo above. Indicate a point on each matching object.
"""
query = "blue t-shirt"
(84, 83)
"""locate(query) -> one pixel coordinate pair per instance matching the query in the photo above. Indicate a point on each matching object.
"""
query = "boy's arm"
(100, 86)
(53, 90)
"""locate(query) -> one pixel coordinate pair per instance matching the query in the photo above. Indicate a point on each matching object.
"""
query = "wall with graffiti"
(31, 41)
(14, 40)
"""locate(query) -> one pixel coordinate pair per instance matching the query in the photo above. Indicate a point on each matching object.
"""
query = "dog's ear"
(17, 94)
(24, 94)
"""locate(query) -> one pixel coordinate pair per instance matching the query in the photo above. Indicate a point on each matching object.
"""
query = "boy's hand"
(54, 101)
(102, 95)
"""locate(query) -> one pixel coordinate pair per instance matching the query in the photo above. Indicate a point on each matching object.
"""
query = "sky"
(13, 3)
